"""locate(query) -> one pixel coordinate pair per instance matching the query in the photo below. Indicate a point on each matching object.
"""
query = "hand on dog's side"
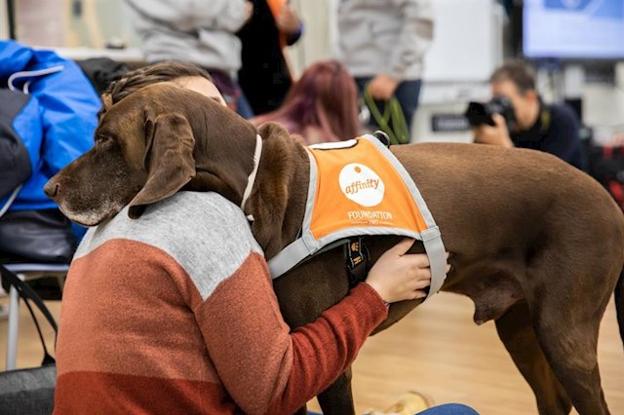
(398, 276)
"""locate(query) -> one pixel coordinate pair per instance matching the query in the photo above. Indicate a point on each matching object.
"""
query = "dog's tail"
(619, 304)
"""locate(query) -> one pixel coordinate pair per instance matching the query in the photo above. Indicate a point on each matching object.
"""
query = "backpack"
(15, 166)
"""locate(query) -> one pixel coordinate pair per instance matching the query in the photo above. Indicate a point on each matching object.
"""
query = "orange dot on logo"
(358, 169)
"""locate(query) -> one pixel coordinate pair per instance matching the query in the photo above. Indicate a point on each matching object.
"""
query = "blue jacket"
(57, 123)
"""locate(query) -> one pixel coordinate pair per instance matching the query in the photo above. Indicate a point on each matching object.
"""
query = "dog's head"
(143, 153)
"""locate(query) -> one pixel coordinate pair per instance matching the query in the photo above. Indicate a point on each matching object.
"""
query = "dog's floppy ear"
(168, 159)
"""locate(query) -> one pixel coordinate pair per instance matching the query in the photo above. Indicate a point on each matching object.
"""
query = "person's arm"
(188, 15)
(269, 370)
(265, 368)
(289, 24)
(415, 38)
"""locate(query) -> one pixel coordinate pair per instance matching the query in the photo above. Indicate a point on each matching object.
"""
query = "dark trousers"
(407, 93)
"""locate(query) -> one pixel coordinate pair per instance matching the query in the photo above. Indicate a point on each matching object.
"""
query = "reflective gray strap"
(298, 250)
(288, 258)
(432, 240)
(407, 179)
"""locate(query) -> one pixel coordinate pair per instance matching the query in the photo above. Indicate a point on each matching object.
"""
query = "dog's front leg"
(337, 399)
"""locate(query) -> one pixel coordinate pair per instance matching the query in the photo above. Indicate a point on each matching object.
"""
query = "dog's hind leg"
(571, 351)
(516, 332)
(337, 399)
(566, 318)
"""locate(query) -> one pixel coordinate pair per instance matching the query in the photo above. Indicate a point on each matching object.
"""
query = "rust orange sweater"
(174, 313)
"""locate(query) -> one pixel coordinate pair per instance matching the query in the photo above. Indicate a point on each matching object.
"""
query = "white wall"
(603, 109)
(52, 23)
(467, 41)
(319, 33)
(4, 24)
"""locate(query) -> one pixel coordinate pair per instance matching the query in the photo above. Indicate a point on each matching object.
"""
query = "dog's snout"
(52, 188)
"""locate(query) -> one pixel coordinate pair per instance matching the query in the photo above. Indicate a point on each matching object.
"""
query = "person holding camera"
(517, 117)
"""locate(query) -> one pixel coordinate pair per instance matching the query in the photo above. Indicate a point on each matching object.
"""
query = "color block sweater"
(174, 313)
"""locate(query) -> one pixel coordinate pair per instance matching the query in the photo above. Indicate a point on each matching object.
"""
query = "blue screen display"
(574, 29)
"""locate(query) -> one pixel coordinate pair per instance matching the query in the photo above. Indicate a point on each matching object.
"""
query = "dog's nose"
(51, 188)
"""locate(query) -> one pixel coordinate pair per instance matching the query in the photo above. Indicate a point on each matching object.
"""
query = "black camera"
(479, 113)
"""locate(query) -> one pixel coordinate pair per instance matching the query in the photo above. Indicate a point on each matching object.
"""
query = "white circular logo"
(361, 185)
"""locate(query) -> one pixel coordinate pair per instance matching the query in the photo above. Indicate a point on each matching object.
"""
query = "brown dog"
(536, 244)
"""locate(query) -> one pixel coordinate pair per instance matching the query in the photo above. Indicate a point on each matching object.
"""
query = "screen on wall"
(573, 29)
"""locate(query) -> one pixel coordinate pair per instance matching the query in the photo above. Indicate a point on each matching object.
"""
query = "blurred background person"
(265, 76)
(383, 45)
(206, 36)
(321, 106)
(552, 128)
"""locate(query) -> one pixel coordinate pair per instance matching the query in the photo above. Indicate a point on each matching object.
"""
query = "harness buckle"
(382, 137)
(357, 260)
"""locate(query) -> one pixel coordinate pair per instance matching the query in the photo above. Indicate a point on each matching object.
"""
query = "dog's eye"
(103, 139)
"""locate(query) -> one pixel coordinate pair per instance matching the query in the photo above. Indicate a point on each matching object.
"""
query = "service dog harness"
(358, 188)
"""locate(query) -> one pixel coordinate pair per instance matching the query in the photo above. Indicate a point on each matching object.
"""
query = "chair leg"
(13, 327)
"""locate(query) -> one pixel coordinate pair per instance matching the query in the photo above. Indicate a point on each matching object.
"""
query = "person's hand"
(382, 87)
(398, 276)
(497, 135)
(249, 8)
(288, 22)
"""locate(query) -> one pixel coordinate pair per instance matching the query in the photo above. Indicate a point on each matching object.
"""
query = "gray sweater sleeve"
(415, 38)
(189, 15)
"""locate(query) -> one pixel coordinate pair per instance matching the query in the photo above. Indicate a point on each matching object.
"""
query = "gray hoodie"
(385, 36)
(201, 32)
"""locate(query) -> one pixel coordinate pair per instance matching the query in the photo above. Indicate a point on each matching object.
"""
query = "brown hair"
(147, 75)
(325, 97)
(518, 72)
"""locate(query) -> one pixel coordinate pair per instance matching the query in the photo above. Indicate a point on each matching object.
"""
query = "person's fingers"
(402, 247)
(417, 261)
(371, 85)
(372, 90)
(249, 9)
(482, 133)
(377, 92)
(420, 284)
(499, 120)
(419, 294)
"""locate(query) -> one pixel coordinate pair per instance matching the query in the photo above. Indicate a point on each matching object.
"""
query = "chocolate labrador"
(536, 244)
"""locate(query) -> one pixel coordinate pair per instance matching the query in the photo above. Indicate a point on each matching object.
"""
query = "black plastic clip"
(382, 137)
(357, 260)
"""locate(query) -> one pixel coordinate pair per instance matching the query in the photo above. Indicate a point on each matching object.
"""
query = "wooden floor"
(436, 350)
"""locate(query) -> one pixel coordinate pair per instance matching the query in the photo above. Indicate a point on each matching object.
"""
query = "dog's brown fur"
(536, 244)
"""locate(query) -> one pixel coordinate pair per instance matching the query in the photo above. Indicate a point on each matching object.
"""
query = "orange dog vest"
(358, 187)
